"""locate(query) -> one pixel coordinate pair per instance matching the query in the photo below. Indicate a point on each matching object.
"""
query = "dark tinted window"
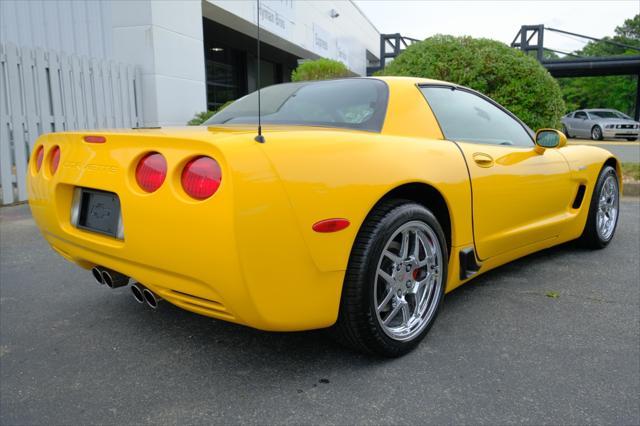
(604, 114)
(580, 114)
(351, 103)
(465, 116)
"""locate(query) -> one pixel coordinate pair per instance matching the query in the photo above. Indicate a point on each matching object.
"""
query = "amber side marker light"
(55, 159)
(330, 225)
(94, 139)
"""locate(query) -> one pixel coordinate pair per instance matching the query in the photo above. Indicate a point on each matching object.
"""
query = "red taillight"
(151, 172)
(55, 159)
(95, 139)
(330, 225)
(201, 177)
(39, 157)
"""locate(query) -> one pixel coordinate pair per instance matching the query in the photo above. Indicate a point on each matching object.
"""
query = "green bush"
(320, 69)
(511, 78)
(203, 116)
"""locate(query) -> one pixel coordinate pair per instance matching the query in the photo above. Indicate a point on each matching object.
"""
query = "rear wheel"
(632, 139)
(603, 211)
(565, 131)
(395, 280)
(596, 133)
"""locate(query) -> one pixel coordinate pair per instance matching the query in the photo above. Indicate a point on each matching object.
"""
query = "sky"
(500, 20)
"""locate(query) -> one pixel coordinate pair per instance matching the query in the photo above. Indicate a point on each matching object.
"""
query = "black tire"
(566, 131)
(596, 133)
(632, 139)
(590, 237)
(358, 326)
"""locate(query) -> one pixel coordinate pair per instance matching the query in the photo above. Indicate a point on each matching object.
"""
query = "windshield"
(356, 103)
(605, 114)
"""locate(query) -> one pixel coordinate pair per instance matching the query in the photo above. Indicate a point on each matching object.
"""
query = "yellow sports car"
(366, 200)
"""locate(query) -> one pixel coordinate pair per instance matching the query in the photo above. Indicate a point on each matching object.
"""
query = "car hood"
(615, 120)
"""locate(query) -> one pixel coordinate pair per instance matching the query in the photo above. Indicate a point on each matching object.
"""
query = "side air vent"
(579, 197)
(468, 264)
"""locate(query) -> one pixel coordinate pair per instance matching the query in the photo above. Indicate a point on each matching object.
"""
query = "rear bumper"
(235, 256)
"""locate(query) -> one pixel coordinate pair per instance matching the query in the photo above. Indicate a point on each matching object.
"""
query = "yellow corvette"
(367, 201)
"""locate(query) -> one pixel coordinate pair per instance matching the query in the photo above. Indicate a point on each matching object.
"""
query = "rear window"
(356, 103)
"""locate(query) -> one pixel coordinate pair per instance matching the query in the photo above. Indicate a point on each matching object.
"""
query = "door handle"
(482, 159)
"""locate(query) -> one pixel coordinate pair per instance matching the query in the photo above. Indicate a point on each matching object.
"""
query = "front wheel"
(395, 280)
(603, 210)
(596, 133)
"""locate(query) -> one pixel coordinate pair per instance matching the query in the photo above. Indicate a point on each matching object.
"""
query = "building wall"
(304, 28)
(165, 39)
(75, 27)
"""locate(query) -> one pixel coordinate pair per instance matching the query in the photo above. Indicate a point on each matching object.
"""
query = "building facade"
(194, 55)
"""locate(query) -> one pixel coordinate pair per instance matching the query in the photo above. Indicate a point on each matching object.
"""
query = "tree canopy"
(319, 69)
(616, 92)
(517, 81)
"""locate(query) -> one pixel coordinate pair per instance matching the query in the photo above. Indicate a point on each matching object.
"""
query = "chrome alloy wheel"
(408, 281)
(607, 214)
(596, 133)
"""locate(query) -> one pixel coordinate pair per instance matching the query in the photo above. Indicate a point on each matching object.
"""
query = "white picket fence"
(44, 91)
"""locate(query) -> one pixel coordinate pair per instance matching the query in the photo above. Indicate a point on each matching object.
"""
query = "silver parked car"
(599, 124)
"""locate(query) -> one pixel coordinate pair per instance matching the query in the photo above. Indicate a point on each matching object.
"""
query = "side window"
(580, 114)
(464, 116)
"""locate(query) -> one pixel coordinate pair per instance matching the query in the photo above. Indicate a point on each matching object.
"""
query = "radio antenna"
(259, 138)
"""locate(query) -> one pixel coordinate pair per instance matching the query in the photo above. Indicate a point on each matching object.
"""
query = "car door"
(519, 196)
(570, 123)
(581, 124)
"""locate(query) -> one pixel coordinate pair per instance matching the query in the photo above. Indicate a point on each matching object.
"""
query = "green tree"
(201, 117)
(319, 69)
(617, 92)
(507, 75)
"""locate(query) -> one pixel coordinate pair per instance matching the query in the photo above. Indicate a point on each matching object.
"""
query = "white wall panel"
(43, 91)
(77, 27)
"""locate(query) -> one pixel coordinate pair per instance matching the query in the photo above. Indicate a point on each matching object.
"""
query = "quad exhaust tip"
(97, 275)
(151, 298)
(108, 277)
(114, 279)
(136, 290)
(143, 295)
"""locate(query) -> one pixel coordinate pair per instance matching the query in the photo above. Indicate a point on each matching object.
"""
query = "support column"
(165, 39)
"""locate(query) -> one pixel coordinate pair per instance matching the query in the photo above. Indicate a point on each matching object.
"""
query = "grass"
(631, 171)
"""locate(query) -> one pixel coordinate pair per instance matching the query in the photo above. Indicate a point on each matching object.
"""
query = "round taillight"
(39, 157)
(55, 159)
(201, 177)
(151, 172)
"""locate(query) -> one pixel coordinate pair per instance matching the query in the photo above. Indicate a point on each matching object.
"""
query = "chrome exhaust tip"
(151, 298)
(136, 290)
(97, 275)
(114, 279)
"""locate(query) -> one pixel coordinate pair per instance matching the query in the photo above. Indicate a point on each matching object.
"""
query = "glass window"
(604, 114)
(350, 103)
(580, 114)
(465, 116)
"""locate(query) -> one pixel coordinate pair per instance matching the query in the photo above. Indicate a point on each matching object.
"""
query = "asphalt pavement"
(550, 339)
(627, 152)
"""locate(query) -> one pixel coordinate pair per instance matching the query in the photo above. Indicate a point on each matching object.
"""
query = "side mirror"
(549, 138)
